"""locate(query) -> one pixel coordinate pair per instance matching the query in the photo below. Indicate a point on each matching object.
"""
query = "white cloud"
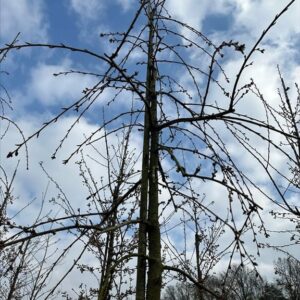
(41, 149)
(126, 4)
(89, 14)
(50, 90)
(194, 12)
(190, 11)
(249, 18)
(30, 183)
(264, 12)
(25, 16)
(91, 9)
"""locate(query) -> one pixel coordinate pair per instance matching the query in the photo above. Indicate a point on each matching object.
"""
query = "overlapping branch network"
(202, 130)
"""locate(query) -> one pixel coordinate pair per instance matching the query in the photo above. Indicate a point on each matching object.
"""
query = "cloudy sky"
(36, 95)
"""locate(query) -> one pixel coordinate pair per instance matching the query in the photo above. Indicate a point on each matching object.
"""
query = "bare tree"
(287, 271)
(272, 291)
(181, 291)
(187, 136)
(22, 265)
(242, 283)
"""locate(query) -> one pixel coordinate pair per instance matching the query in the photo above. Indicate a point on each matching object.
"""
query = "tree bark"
(142, 234)
(155, 264)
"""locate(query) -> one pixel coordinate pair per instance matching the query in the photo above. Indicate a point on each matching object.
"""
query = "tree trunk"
(150, 181)
(155, 265)
(142, 235)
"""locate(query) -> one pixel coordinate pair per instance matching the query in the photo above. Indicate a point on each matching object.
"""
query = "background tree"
(242, 283)
(181, 291)
(288, 277)
(272, 291)
(23, 265)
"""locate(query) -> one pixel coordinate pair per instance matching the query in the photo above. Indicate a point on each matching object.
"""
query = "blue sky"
(37, 95)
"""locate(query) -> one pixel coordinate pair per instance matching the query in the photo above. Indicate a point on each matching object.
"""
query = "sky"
(36, 95)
